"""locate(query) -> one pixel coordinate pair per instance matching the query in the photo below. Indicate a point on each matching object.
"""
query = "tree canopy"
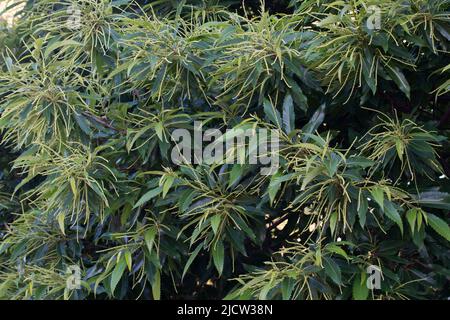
(357, 91)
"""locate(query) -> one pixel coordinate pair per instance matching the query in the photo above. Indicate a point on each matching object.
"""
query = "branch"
(102, 121)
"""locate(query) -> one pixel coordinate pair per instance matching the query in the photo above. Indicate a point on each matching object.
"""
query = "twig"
(102, 121)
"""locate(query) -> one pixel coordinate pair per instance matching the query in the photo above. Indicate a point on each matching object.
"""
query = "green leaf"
(378, 195)
(332, 270)
(315, 121)
(149, 238)
(186, 199)
(392, 213)
(330, 19)
(147, 197)
(73, 186)
(272, 113)
(439, 225)
(215, 222)
(400, 148)
(287, 287)
(265, 290)
(117, 273)
(274, 186)
(128, 259)
(218, 256)
(4, 288)
(359, 162)
(167, 185)
(360, 289)
(59, 44)
(191, 259)
(310, 177)
(83, 124)
(156, 286)
(235, 174)
(411, 216)
(420, 216)
(9, 63)
(399, 79)
(332, 164)
(362, 211)
(159, 129)
(318, 257)
(337, 250)
(288, 114)
(61, 217)
(333, 222)
(434, 199)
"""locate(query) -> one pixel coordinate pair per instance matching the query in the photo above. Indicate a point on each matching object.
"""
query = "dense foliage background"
(86, 177)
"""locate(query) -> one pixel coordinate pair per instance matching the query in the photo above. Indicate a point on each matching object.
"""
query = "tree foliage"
(86, 116)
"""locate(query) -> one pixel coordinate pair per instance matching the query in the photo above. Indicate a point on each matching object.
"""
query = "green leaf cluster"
(86, 176)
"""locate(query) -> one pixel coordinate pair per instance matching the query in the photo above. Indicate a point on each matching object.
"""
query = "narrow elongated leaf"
(167, 185)
(411, 216)
(272, 113)
(399, 78)
(218, 256)
(156, 286)
(378, 195)
(332, 270)
(61, 218)
(117, 273)
(149, 238)
(392, 213)
(362, 210)
(215, 222)
(191, 259)
(360, 289)
(288, 114)
(148, 196)
(439, 225)
(60, 44)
